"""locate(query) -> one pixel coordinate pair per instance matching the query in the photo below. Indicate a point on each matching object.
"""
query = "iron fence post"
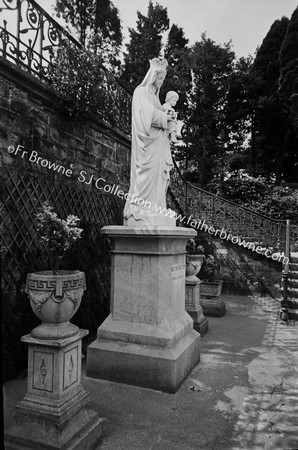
(19, 18)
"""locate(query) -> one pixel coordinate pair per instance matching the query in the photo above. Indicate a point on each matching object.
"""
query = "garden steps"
(292, 299)
(293, 283)
(237, 221)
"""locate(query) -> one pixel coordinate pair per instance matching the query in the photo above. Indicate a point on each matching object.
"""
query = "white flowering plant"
(56, 234)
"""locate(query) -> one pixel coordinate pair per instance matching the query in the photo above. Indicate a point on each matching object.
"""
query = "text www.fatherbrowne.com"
(222, 234)
(99, 184)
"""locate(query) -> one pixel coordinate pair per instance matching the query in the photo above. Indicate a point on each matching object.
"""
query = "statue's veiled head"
(156, 73)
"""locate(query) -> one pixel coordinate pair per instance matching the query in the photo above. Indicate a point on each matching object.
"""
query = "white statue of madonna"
(151, 159)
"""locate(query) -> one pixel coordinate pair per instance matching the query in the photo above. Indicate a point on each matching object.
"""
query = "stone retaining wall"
(29, 119)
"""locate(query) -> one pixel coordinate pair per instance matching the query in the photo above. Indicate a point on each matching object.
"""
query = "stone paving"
(242, 395)
(268, 417)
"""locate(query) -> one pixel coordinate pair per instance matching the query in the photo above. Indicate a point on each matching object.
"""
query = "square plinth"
(193, 306)
(148, 339)
(152, 367)
(54, 376)
(53, 413)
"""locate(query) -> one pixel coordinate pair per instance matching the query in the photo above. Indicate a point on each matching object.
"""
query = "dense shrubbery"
(280, 203)
(82, 83)
(244, 189)
(261, 195)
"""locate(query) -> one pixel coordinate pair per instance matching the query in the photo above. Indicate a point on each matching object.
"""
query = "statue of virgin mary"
(151, 159)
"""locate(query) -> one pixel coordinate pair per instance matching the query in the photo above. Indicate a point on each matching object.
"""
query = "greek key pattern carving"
(49, 285)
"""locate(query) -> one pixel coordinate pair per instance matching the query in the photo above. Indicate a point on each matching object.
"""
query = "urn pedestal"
(148, 339)
(193, 306)
(54, 413)
(211, 302)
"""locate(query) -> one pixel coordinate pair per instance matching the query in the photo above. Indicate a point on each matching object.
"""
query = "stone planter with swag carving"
(54, 300)
(211, 288)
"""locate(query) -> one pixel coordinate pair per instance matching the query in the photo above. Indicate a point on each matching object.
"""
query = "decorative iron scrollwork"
(30, 37)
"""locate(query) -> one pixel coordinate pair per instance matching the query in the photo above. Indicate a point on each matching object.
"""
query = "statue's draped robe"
(151, 159)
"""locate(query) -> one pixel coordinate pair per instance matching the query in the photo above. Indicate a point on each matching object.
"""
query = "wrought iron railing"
(30, 37)
(206, 208)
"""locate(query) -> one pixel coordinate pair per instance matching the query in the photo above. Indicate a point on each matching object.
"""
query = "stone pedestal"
(192, 305)
(54, 412)
(213, 306)
(211, 302)
(148, 339)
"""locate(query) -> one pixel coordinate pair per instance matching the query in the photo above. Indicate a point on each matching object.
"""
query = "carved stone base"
(148, 339)
(53, 413)
(81, 431)
(213, 306)
(192, 305)
(200, 322)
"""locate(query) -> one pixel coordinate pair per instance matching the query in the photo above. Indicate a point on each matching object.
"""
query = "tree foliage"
(80, 79)
(268, 120)
(145, 43)
(288, 80)
(211, 66)
(288, 92)
(238, 114)
(274, 139)
(266, 67)
(92, 18)
(261, 194)
(178, 77)
(259, 110)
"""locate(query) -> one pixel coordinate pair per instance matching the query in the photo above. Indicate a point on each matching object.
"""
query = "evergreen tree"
(179, 72)
(266, 68)
(92, 18)
(269, 120)
(288, 58)
(145, 44)
(288, 94)
(239, 114)
(178, 79)
(211, 66)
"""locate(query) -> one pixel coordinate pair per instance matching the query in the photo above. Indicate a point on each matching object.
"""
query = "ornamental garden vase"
(193, 265)
(55, 298)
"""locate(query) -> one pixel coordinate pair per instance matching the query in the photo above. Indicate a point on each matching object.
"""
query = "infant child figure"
(171, 99)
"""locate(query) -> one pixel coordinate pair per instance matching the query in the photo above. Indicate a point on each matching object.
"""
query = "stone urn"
(55, 298)
(193, 265)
